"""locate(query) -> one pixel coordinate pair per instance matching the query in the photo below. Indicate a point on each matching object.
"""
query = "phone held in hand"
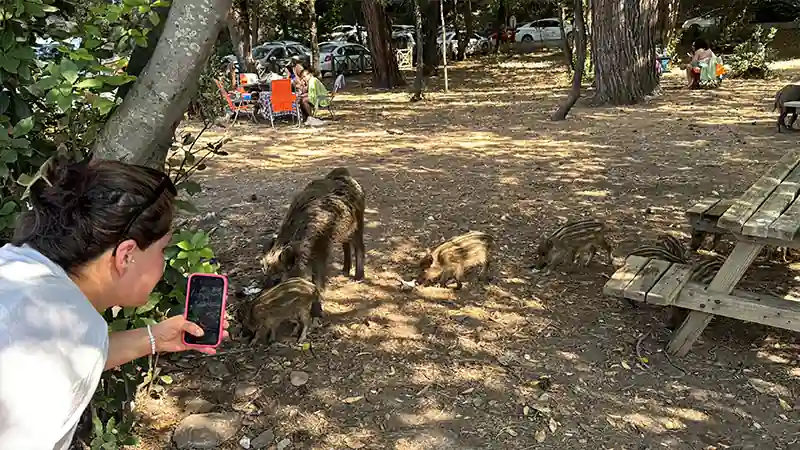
(206, 295)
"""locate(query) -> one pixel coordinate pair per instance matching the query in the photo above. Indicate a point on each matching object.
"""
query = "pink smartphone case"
(222, 315)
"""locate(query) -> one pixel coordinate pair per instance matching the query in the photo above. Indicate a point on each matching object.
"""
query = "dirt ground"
(531, 360)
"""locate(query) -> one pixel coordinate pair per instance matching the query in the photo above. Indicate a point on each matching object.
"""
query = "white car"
(702, 22)
(347, 33)
(543, 31)
(343, 57)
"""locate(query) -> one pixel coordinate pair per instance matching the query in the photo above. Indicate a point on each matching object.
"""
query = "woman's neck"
(93, 288)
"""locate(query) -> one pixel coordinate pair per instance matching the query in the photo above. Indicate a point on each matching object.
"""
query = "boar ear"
(287, 256)
(426, 260)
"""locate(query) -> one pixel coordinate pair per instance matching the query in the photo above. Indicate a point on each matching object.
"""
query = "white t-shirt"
(53, 348)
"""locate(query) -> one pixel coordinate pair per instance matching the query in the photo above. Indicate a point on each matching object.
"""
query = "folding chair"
(245, 105)
(282, 101)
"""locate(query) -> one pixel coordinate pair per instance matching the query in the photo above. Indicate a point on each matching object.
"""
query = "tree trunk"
(623, 50)
(156, 102)
(462, 43)
(244, 51)
(312, 25)
(236, 39)
(457, 36)
(577, 75)
(141, 55)
(500, 25)
(255, 23)
(385, 73)
(667, 20)
(566, 47)
(431, 54)
(418, 79)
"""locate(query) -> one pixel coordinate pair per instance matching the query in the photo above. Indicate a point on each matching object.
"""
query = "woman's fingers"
(192, 329)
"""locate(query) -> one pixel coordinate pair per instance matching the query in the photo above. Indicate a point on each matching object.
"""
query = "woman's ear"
(125, 254)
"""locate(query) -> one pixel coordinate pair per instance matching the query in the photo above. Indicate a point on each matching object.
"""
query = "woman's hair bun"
(63, 183)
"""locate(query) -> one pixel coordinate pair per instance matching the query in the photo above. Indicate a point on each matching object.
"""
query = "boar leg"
(444, 278)
(484, 275)
(782, 119)
(304, 320)
(697, 240)
(358, 243)
(607, 249)
(715, 241)
(458, 275)
(257, 339)
(273, 332)
(792, 119)
(348, 258)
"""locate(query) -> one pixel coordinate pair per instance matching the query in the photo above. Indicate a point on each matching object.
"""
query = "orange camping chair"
(244, 106)
(283, 101)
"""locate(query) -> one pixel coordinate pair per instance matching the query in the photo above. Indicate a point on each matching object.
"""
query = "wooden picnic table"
(768, 213)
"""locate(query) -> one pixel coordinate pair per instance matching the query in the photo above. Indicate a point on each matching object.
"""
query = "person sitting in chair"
(702, 55)
(301, 81)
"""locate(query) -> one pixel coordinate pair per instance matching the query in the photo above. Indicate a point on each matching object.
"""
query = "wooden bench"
(659, 282)
(703, 217)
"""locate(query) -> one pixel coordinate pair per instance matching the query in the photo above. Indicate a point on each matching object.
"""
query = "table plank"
(744, 207)
(615, 287)
(645, 280)
(717, 210)
(786, 226)
(669, 286)
(776, 204)
(702, 206)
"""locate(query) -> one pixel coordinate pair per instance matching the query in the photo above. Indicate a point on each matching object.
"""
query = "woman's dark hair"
(700, 43)
(82, 209)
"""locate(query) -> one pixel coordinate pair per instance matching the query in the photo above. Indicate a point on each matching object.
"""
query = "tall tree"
(385, 73)
(312, 26)
(565, 43)
(254, 9)
(577, 74)
(155, 104)
(667, 20)
(430, 28)
(623, 51)
(240, 15)
(418, 52)
(469, 30)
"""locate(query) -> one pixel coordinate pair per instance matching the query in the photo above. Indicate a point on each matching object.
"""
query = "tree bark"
(623, 32)
(312, 25)
(385, 73)
(236, 38)
(158, 98)
(255, 23)
(431, 54)
(500, 25)
(577, 75)
(244, 51)
(566, 47)
(141, 55)
(462, 43)
(419, 78)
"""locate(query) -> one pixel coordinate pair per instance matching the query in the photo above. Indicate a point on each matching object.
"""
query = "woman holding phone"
(94, 238)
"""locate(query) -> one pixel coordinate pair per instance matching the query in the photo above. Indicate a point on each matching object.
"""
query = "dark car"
(275, 56)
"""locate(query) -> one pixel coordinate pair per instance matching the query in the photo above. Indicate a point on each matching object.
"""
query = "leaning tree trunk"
(623, 50)
(500, 24)
(566, 47)
(577, 75)
(156, 102)
(385, 73)
(244, 51)
(141, 55)
(418, 53)
(469, 30)
(431, 26)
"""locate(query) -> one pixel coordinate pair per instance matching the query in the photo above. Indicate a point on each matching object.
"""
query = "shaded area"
(436, 368)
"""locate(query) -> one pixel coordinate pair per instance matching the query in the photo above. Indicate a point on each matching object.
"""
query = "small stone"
(198, 405)
(244, 442)
(263, 440)
(284, 444)
(477, 402)
(298, 378)
(201, 431)
(244, 391)
(217, 369)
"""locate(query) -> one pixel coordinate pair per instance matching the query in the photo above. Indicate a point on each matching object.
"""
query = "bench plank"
(702, 206)
(764, 309)
(717, 210)
(786, 226)
(776, 204)
(670, 285)
(793, 104)
(739, 213)
(646, 278)
(615, 287)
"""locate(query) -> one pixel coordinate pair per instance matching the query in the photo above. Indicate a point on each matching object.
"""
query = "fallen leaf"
(298, 378)
(540, 436)
(467, 391)
(784, 404)
(511, 432)
(350, 400)
(552, 425)
(625, 365)
(525, 411)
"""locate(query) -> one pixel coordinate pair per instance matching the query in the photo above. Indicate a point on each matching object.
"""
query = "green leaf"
(206, 253)
(7, 208)
(116, 80)
(9, 156)
(199, 240)
(191, 187)
(119, 324)
(8, 64)
(166, 379)
(154, 19)
(89, 83)
(182, 255)
(44, 84)
(24, 53)
(5, 100)
(152, 302)
(22, 127)
(194, 258)
(185, 245)
(97, 425)
(69, 71)
(25, 180)
(103, 105)
(186, 206)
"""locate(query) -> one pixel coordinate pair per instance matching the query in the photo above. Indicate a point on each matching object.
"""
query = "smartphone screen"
(204, 308)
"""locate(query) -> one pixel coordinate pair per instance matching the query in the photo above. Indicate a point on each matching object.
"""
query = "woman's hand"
(169, 335)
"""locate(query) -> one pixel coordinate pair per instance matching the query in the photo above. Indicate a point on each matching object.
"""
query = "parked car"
(348, 33)
(507, 35)
(343, 57)
(702, 22)
(404, 28)
(274, 56)
(478, 45)
(452, 43)
(544, 31)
